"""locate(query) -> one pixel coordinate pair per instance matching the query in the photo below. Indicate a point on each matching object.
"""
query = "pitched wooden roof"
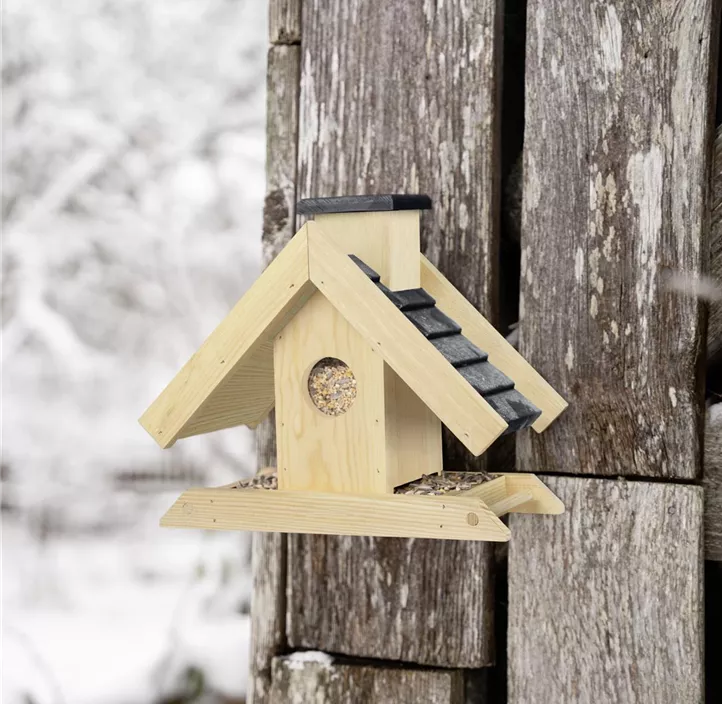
(229, 380)
(473, 364)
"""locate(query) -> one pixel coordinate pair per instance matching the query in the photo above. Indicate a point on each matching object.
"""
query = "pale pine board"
(383, 515)
(501, 354)
(454, 401)
(317, 452)
(606, 600)
(196, 397)
(388, 242)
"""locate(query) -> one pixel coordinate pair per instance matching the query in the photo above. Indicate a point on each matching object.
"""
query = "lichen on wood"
(616, 156)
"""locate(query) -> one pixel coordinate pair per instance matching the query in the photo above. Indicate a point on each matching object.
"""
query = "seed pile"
(444, 483)
(432, 484)
(265, 479)
(332, 386)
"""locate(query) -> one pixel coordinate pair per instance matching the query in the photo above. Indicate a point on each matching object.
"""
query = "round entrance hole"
(332, 386)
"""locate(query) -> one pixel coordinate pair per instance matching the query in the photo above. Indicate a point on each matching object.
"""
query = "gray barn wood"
(606, 600)
(713, 483)
(616, 155)
(403, 97)
(284, 21)
(279, 211)
(421, 601)
(296, 681)
(268, 624)
(714, 323)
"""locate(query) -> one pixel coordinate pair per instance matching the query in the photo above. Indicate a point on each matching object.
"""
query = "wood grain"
(606, 600)
(502, 355)
(418, 601)
(452, 399)
(714, 323)
(380, 515)
(268, 612)
(318, 452)
(196, 399)
(616, 156)
(282, 92)
(388, 242)
(713, 483)
(407, 105)
(414, 111)
(284, 21)
(329, 682)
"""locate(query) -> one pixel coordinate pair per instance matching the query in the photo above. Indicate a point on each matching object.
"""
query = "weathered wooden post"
(397, 97)
(605, 604)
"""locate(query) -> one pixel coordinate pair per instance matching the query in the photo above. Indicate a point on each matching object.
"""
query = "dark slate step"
(433, 323)
(458, 350)
(363, 204)
(412, 299)
(486, 378)
(366, 269)
(515, 409)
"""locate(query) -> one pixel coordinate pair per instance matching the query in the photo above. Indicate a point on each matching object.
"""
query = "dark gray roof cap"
(362, 204)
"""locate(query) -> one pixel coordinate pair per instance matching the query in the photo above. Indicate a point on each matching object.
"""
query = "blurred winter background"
(133, 154)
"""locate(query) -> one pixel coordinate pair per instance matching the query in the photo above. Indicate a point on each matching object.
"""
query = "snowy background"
(133, 150)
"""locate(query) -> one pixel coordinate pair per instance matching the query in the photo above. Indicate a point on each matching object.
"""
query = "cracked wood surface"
(407, 105)
(713, 483)
(606, 600)
(318, 678)
(618, 128)
(268, 611)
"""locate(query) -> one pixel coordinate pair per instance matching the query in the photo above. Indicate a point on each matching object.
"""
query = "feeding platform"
(364, 349)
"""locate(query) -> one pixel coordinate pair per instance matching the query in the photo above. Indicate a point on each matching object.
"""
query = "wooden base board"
(456, 516)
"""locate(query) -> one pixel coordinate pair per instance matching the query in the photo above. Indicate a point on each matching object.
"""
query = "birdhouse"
(365, 350)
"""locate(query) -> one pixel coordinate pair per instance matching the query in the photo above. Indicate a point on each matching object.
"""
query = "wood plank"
(388, 242)
(318, 452)
(616, 158)
(191, 397)
(402, 346)
(284, 21)
(714, 323)
(713, 483)
(379, 515)
(501, 354)
(544, 501)
(606, 600)
(713, 631)
(282, 92)
(253, 383)
(497, 492)
(412, 113)
(398, 592)
(413, 434)
(511, 503)
(268, 613)
(415, 112)
(316, 677)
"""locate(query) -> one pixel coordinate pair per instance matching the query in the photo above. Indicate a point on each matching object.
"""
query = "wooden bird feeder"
(364, 349)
